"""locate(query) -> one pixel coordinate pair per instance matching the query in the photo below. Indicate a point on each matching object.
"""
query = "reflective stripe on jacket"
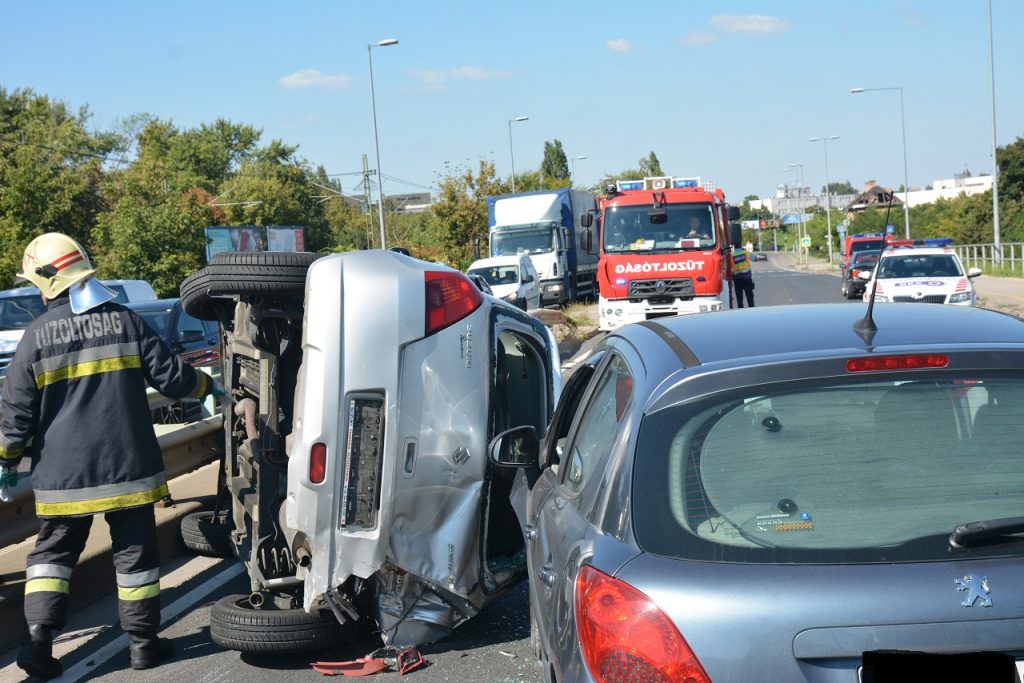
(75, 401)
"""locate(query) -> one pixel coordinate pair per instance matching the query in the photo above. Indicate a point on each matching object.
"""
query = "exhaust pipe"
(246, 408)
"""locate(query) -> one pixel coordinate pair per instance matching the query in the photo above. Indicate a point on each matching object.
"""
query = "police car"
(931, 274)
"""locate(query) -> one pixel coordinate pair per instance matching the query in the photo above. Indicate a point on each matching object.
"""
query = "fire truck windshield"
(672, 227)
(535, 238)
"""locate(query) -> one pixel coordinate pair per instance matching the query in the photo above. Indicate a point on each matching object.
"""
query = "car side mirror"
(587, 241)
(974, 272)
(734, 213)
(586, 219)
(516, 447)
(528, 279)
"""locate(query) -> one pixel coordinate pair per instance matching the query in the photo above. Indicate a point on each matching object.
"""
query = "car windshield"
(865, 258)
(673, 227)
(918, 265)
(498, 275)
(16, 312)
(157, 320)
(877, 471)
(531, 239)
(866, 245)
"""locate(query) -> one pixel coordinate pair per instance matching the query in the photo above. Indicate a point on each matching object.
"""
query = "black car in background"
(196, 341)
(853, 285)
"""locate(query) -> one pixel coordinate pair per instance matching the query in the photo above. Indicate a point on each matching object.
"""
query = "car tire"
(205, 294)
(237, 625)
(205, 534)
(845, 290)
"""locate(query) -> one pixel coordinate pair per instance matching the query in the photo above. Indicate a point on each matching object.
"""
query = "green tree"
(51, 168)
(461, 210)
(839, 188)
(650, 166)
(1011, 171)
(555, 164)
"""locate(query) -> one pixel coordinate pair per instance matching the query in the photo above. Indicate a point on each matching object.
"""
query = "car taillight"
(317, 463)
(450, 297)
(854, 273)
(625, 637)
(920, 361)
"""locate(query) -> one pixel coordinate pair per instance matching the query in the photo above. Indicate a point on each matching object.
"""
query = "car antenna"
(866, 327)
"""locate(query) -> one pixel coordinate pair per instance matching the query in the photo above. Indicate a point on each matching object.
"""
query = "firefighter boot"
(36, 653)
(148, 650)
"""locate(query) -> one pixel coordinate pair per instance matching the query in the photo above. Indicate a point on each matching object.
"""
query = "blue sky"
(729, 90)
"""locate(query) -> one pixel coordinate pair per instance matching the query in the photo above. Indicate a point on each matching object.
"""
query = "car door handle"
(530, 532)
(547, 575)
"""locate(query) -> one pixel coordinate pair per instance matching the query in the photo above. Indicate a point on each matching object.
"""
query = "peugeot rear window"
(879, 471)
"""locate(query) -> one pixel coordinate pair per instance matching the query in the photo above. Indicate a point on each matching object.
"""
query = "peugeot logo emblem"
(659, 286)
(977, 590)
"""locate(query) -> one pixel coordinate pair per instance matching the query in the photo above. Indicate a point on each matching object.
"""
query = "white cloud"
(620, 45)
(314, 78)
(435, 79)
(698, 37)
(749, 24)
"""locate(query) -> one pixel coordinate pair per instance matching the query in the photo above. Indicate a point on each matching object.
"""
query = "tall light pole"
(376, 141)
(995, 161)
(828, 193)
(572, 179)
(906, 181)
(511, 152)
(805, 251)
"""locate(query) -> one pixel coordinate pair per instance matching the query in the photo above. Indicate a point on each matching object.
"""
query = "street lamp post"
(995, 161)
(376, 141)
(511, 152)
(572, 180)
(906, 181)
(828, 193)
(804, 251)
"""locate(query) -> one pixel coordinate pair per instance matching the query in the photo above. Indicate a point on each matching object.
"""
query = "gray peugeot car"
(782, 494)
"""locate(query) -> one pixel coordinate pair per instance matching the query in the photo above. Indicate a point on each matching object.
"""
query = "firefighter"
(742, 278)
(74, 401)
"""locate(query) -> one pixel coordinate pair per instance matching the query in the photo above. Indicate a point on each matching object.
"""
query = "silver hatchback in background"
(771, 495)
(356, 479)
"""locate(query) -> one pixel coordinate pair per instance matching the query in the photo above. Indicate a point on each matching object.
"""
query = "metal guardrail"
(1009, 256)
(184, 447)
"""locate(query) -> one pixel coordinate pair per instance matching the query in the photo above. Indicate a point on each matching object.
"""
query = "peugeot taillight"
(625, 637)
(317, 463)
(450, 297)
(855, 273)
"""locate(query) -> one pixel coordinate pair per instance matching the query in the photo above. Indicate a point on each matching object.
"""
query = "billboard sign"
(233, 238)
(286, 238)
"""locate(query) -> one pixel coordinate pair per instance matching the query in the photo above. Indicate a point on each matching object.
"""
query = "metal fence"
(1009, 257)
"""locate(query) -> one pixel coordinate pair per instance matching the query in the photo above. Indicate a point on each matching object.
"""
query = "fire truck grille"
(676, 287)
(929, 299)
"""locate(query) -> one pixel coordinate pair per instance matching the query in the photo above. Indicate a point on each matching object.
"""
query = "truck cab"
(664, 250)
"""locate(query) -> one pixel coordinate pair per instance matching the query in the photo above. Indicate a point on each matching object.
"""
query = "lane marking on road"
(119, 645)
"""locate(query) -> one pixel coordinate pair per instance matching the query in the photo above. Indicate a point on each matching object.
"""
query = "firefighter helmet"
(53, 262)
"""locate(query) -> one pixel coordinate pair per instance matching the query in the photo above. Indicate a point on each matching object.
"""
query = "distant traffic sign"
(805, 241)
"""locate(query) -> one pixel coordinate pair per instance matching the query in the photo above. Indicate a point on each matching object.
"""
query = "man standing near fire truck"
(742, 278)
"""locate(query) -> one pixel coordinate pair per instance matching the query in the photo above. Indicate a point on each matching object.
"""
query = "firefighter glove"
(217, 389)
(8, 477)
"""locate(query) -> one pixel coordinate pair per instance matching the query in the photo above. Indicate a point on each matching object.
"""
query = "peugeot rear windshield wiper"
(987, 532)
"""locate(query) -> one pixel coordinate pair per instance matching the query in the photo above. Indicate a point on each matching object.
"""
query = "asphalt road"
(494, 646)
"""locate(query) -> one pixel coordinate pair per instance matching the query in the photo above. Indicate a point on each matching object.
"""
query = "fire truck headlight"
(716, 307)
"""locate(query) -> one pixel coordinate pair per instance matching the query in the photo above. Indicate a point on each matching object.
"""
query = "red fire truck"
(664, 249)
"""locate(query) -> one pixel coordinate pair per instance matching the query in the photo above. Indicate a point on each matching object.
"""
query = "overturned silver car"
(365, 388)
